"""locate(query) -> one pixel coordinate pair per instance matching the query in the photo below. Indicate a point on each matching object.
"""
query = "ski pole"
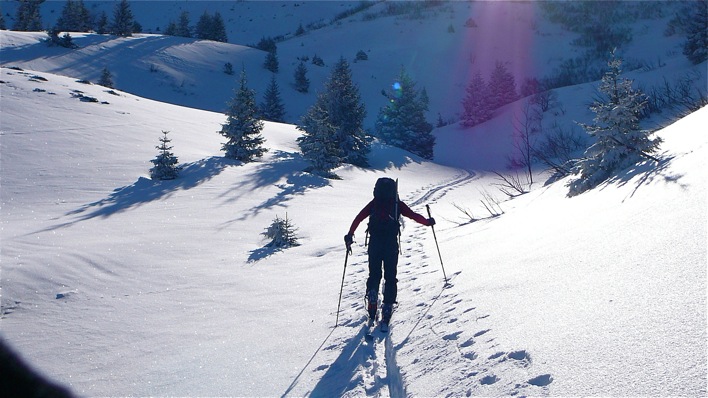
(436, 244)
(346, 257)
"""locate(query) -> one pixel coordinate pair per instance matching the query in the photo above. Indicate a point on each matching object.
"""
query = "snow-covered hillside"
(116, 285)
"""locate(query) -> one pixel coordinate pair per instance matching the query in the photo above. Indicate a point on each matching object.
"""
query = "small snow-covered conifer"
(282, 233)
(165, 164)
(619, 140)
(242, 128)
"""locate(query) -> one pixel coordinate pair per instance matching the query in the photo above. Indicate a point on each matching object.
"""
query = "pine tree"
(2, 21)
(65, 40)
(402, 123)
(347, 112)
(203, 29)
(102, 24)
(619, 141)
(333, 132)
(242, 128)
(75, 17)
(211, 28)
(302, 83)
(272, 107)
(28, 17)
(170, 29)
(218, 29)
(165, 164)
(318, 142)
(106, 79)
(182, 27)
(282, 233)
(271, 61)
(502, 87)
(123, 21)
(696, 46)
(476, 103)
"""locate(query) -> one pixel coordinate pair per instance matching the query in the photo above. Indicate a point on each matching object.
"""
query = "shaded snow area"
(113, 284)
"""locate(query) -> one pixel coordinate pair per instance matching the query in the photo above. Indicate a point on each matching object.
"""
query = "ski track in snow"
(451, 346)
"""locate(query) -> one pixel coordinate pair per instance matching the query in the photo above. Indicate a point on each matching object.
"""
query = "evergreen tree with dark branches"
(75, 17)
(165, 165)
(272, 108)
(302, 83)
(182, 28)
(476, 106)
(242, 128)
(123, 22)
(28, 17)
(402, 123)
(271, 61)
(696, 46)
(332, 128)
(502, 87)
(106, 79)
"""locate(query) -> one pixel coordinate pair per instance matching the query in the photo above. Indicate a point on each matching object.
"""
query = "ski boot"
(372, 298)
(386, 312)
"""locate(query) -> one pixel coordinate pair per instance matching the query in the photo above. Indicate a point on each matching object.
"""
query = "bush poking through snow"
(282, 233)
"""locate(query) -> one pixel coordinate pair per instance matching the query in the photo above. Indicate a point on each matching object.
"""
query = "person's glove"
(431, 221)
(348, 240)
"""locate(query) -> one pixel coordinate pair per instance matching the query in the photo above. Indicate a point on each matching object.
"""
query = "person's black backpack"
(384, 217)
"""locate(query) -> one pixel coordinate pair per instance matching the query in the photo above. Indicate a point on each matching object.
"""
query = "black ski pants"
(383, 254)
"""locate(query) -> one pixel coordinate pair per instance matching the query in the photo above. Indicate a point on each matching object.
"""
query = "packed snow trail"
(436, 335)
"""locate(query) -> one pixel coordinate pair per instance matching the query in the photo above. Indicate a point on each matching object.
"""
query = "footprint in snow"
(467, 343)
(452, 336)
(487, 380)
(481, 332)
(542, 380)
(519, 355)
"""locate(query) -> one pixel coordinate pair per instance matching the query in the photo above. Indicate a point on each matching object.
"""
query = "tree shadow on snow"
(648, 171)
(383, 157)
(145, 190)
(282, 165)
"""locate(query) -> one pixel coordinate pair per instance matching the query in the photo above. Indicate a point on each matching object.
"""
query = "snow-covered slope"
(117, 285)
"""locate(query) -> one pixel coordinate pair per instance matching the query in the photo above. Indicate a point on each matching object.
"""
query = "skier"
(384, 212)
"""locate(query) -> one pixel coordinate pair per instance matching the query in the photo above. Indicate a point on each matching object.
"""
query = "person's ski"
(370, 325)
(384, 326)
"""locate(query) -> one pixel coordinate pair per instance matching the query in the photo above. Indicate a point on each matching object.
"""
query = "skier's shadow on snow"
(145, 190)
(341, 374)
